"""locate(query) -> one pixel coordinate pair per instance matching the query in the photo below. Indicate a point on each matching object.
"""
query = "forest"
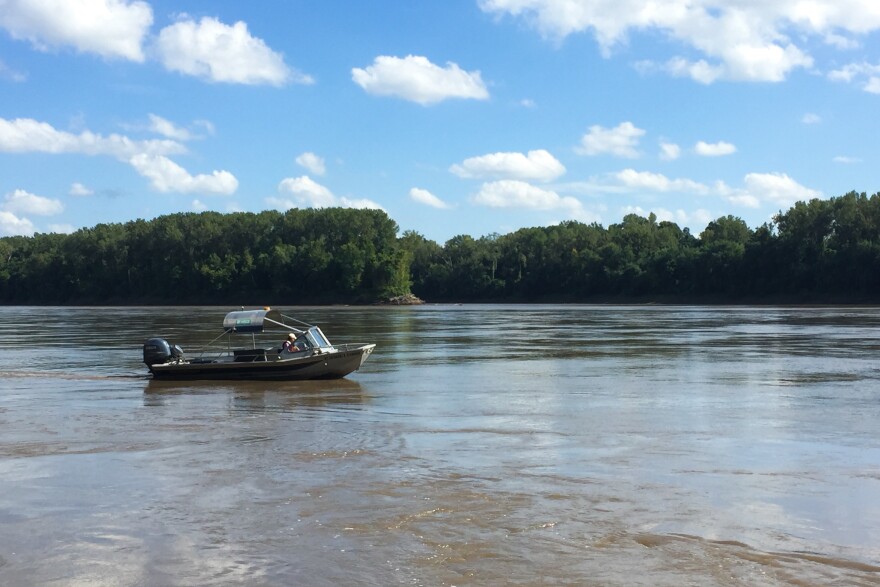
(821, 251)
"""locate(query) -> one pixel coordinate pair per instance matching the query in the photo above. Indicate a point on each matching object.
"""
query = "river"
(479, 445)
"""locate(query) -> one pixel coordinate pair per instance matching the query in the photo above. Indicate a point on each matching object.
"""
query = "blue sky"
(455, 117)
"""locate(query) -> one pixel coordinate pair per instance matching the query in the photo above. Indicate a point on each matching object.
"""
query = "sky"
(455, 117)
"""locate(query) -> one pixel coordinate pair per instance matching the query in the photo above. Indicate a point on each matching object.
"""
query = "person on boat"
(291, 345)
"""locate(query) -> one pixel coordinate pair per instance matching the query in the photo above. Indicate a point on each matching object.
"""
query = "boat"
(237, 354)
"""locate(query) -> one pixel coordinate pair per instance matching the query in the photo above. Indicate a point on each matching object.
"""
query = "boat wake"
(67, 375)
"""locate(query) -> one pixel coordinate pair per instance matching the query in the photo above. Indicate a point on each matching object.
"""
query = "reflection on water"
(479, 445)
(261, 395)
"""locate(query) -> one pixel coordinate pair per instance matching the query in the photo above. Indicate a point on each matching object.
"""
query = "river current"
(479, 445)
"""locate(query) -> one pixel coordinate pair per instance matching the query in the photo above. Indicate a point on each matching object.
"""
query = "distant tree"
(307, 255)
(727, 228)
(816, 250)
(722, 251)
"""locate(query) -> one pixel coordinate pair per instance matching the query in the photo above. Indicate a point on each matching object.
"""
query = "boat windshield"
(317, 338)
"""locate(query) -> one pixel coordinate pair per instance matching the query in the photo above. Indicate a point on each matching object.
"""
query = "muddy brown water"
(479, 445)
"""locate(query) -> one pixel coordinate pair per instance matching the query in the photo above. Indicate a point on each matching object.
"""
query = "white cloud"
(307, 193)
(744, 199)
(669, 151)
(168, 129)
(160, 125)
(537, 165)
(26, 135)
(778, 188)
(630, 181)
(866, 74)
(427, 198)
(12, 225)
(62, 228)
(109, 28)
(872, 86)
(700, 71)
(758, 189)
(811, 118)
(698, 218)
(645, 180)
(620, 141)
(360, 203)
(167, 176)
(198, 206)
(508, 193)
(416, 79)
(7, 72)
(738, 39)
(206, 125)
(312, 163)
(762, 60)
(24, 202)
(718, 149)
(846, 160)
(841, 42)
(78, 189)
(849, 72)
(217, 52)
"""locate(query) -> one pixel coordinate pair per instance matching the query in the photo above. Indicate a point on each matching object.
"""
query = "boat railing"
(316, 340)
(351, 346)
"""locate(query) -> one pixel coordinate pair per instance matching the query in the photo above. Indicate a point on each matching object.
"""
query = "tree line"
(817, 251)
(301, 256)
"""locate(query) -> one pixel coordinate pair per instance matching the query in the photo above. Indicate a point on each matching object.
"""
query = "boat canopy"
(250, 320)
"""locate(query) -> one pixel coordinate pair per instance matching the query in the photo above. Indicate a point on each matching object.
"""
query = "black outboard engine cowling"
(158, 351)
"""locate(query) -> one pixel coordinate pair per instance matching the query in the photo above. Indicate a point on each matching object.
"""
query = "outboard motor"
(158, 351)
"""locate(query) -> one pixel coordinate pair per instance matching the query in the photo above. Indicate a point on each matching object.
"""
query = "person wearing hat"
(290, 345)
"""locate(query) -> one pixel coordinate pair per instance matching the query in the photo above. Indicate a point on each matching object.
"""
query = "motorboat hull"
(325, 365)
